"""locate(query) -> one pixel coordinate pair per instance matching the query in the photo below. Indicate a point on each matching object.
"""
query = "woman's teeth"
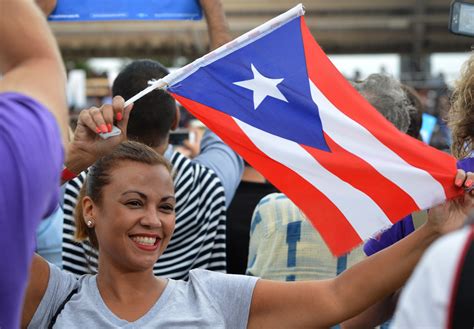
(144, 240)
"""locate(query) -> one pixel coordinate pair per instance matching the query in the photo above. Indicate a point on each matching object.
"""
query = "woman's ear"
(88, 208)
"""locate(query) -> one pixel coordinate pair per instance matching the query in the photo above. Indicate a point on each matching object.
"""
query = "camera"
(461, 18)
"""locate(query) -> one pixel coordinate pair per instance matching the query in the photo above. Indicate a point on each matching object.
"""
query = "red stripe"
(457, 277)
(343, 96)
(323, 214)
(368, 180)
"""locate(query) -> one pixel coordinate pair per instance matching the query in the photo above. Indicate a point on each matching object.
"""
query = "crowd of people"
(150, 237)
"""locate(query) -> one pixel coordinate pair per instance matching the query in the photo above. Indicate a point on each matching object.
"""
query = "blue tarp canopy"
(105, 10)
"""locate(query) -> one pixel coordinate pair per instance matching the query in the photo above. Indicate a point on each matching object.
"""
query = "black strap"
(59, 310)
(462, 315)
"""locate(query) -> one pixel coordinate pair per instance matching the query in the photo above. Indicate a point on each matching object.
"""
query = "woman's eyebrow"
(142, 195)
(168, 197)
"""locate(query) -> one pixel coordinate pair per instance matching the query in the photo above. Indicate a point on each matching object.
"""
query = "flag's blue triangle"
(278, 55)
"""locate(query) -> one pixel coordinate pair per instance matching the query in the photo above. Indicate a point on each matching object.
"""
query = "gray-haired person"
(386, 94)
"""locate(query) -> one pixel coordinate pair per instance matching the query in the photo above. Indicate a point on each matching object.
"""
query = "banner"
(106, 10)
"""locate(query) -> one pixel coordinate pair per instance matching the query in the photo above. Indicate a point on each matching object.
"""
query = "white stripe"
(356, 139)
(362, 212)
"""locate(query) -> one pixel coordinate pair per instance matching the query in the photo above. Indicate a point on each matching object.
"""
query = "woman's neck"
(121, 283)
(122, 289)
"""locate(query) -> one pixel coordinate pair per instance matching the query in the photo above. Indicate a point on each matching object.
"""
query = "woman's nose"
(151, 219)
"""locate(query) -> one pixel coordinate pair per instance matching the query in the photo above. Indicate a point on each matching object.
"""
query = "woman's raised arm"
(314, 304)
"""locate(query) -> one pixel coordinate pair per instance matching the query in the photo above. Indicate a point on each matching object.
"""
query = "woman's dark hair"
(99, 176)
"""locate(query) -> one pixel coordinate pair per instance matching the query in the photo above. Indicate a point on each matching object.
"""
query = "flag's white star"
(262, 87)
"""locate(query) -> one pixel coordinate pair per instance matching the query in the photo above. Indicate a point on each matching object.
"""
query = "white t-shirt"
(425, 300)
(207, 300)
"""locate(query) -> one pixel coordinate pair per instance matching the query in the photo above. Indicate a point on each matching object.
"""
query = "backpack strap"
(61, 307)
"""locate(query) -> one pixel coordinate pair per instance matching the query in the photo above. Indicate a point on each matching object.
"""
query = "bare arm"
(217, 26)
(374, 315)
(29, 58)
(320, 304)
(38, 282)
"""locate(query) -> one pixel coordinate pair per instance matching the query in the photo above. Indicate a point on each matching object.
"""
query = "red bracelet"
(67, 175)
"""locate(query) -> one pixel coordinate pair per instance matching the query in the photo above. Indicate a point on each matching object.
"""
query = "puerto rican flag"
(277, 100)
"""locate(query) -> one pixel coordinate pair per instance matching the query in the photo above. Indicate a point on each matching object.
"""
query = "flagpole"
(254, 34)
(154, 84)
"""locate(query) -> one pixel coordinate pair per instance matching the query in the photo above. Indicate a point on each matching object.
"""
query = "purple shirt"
(31, 158)
(398, 231)
(466, 164)
(404, 227)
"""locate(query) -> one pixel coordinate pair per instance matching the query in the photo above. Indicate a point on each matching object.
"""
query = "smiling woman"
(99, 177)
(121, 205)
(127, 211)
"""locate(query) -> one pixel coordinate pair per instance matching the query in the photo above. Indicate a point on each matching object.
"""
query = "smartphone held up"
(178, 137)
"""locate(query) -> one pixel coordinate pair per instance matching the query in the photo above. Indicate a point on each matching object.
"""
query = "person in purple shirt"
(33, 114)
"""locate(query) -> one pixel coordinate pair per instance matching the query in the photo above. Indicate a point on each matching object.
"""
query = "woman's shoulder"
(206, 279)
(62, 282)
(61, 274)
(62, 287)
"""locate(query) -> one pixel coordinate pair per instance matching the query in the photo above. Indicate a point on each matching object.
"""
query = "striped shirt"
(199, 237)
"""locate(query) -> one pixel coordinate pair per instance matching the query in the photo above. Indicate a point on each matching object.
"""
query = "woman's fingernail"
(468, 183)
(103, 128)
(458, 182)
(109, 126)
(97, 129)
(119, 116)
